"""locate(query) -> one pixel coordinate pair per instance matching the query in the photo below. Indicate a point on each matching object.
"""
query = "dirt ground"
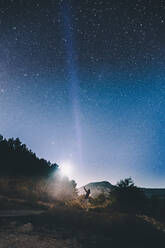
(14, 235)
(70, 228)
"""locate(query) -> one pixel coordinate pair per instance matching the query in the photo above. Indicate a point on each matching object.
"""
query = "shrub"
(127, 197)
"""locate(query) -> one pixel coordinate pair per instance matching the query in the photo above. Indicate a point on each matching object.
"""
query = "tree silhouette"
(127, 197)
(16, 159)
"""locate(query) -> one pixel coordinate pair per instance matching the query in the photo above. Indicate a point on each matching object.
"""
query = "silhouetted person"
(87, 197)
(87, 193)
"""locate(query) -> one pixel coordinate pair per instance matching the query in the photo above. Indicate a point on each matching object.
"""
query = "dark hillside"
(17, 160)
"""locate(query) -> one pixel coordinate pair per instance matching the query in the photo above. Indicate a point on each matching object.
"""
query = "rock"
(13, 224)
(27, 228)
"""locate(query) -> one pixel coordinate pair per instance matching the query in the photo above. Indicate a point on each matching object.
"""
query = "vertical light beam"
(71, 62)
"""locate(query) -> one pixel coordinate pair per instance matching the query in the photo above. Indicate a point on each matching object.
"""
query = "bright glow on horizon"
(66, 169)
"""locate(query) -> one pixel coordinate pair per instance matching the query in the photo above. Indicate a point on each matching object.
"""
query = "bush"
(127, 197)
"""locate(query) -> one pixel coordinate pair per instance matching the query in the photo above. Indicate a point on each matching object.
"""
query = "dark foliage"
(17, 160)
(127, 197)
(156, 207)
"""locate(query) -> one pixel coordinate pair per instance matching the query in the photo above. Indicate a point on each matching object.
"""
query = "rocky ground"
(15, 235)
(70, 228)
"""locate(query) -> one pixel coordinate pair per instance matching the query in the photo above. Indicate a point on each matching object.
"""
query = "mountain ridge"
(105, 187)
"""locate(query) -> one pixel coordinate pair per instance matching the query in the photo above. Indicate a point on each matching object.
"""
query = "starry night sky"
(84, 81)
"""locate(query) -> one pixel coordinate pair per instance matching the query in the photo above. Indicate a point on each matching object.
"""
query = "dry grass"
(94, 229)
(100, 204)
